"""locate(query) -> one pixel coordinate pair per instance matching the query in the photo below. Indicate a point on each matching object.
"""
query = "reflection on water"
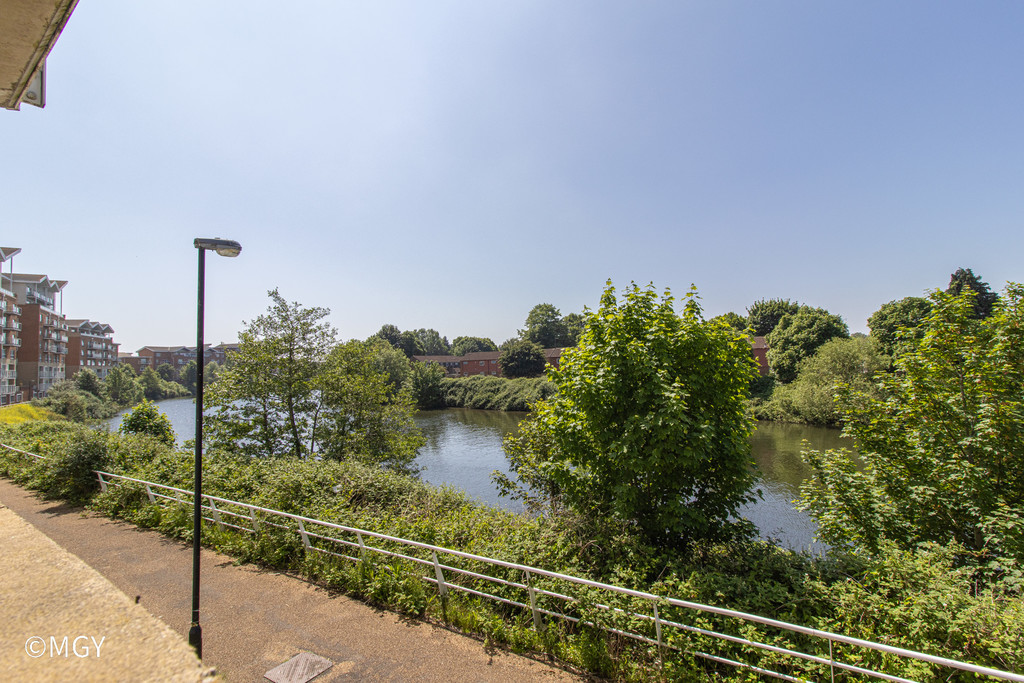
(464, 447)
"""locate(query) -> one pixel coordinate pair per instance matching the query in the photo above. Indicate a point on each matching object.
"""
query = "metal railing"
(328, 538)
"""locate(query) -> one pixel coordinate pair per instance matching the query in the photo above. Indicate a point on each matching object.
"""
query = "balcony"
(13, 341)
(11, 324)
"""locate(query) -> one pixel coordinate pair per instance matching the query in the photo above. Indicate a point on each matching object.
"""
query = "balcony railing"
(11, 324)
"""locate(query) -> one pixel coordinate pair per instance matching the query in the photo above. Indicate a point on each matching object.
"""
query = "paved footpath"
(253, 619)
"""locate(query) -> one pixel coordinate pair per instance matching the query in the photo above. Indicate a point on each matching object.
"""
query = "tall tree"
(941, 450)
(87, 380)
(267, 399)
(432, 343)
(360, 415)
(574, 324)
(649, 425)
(410, 344)
(798, 335)
(963, 279)
(734, 320)
(544, 326)
(167, 372)
(521, 358)
(463, 345)
(764, 314)
(899, 321)
(121, 386)
(391, 334)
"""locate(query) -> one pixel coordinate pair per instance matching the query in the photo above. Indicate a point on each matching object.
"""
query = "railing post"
(442, 588)
(103, 484)
(149, 492)
(538, 623)
(216, 515)
(255, 523)
(305, 538)
(362, 548)
(657, 630)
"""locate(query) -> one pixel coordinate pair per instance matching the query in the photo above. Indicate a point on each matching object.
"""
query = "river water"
(464, 447)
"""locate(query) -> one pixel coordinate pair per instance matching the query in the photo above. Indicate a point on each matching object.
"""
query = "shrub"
(146, 418)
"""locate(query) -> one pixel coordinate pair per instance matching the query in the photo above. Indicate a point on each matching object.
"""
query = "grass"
(24, 412)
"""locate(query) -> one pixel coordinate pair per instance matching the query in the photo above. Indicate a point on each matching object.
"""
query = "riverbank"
(464, 446)
(862, 597)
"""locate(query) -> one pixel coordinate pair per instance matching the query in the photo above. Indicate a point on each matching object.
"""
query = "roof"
(37, 279)
(481, 355)
(83, 325)
(759, 343)
(30, 29)
(8, 252)
(438, 359)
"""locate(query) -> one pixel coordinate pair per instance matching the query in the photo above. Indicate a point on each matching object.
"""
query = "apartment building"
(176, 356)
(10, 333)
(90, 346)
(44, 333)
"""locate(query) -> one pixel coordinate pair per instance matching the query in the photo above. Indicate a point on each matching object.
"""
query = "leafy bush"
(495, 393)
(146, 418)
(918, 598)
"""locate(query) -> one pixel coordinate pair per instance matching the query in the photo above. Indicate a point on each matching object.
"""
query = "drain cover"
(301, 668)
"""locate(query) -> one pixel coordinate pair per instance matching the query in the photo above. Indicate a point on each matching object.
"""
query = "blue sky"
(452, 164)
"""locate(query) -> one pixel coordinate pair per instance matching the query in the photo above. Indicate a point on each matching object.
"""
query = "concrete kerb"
(60, 620)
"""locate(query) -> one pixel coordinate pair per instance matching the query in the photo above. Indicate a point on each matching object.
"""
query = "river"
(464, 447)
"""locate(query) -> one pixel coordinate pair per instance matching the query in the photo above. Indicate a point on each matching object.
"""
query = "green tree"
(544, 326)
(189, 376)
(267, 401)
(390, 361)
(733, 320)
(463, 345)
(649, 425)
(432, 343)
(798, 335)
(985, 299)
(574, 324)
(121, 386)
(212, 370)
(941, 449)
(65, 398)
(88, 381)
(152, 384)
(146, 418)
(389, 333)
(764, 314)
(410, 344)
(521, 358)
(167, 372)
(425, 385)
(838, 365)
(898, 321)
(360, 416)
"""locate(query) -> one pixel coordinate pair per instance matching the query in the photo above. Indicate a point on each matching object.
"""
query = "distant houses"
(479, 362)
(486, 362)
(175, 356)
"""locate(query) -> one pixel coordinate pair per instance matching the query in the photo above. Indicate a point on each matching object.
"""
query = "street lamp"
(224, 248)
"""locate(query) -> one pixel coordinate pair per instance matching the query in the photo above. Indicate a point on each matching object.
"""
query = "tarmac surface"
(253, 619)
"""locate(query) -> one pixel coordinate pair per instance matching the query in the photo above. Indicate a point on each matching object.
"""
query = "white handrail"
(528, 571)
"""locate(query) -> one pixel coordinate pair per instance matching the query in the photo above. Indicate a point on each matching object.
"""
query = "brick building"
(44, 333)
(175, 356)
(91, 346)
(480, 362)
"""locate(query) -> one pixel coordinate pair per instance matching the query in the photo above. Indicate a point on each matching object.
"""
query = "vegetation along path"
(254, 619)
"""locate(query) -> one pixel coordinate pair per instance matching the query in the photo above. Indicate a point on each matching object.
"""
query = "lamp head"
(222, 247)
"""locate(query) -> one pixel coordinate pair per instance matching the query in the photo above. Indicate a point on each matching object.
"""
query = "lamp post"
(224, 248)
